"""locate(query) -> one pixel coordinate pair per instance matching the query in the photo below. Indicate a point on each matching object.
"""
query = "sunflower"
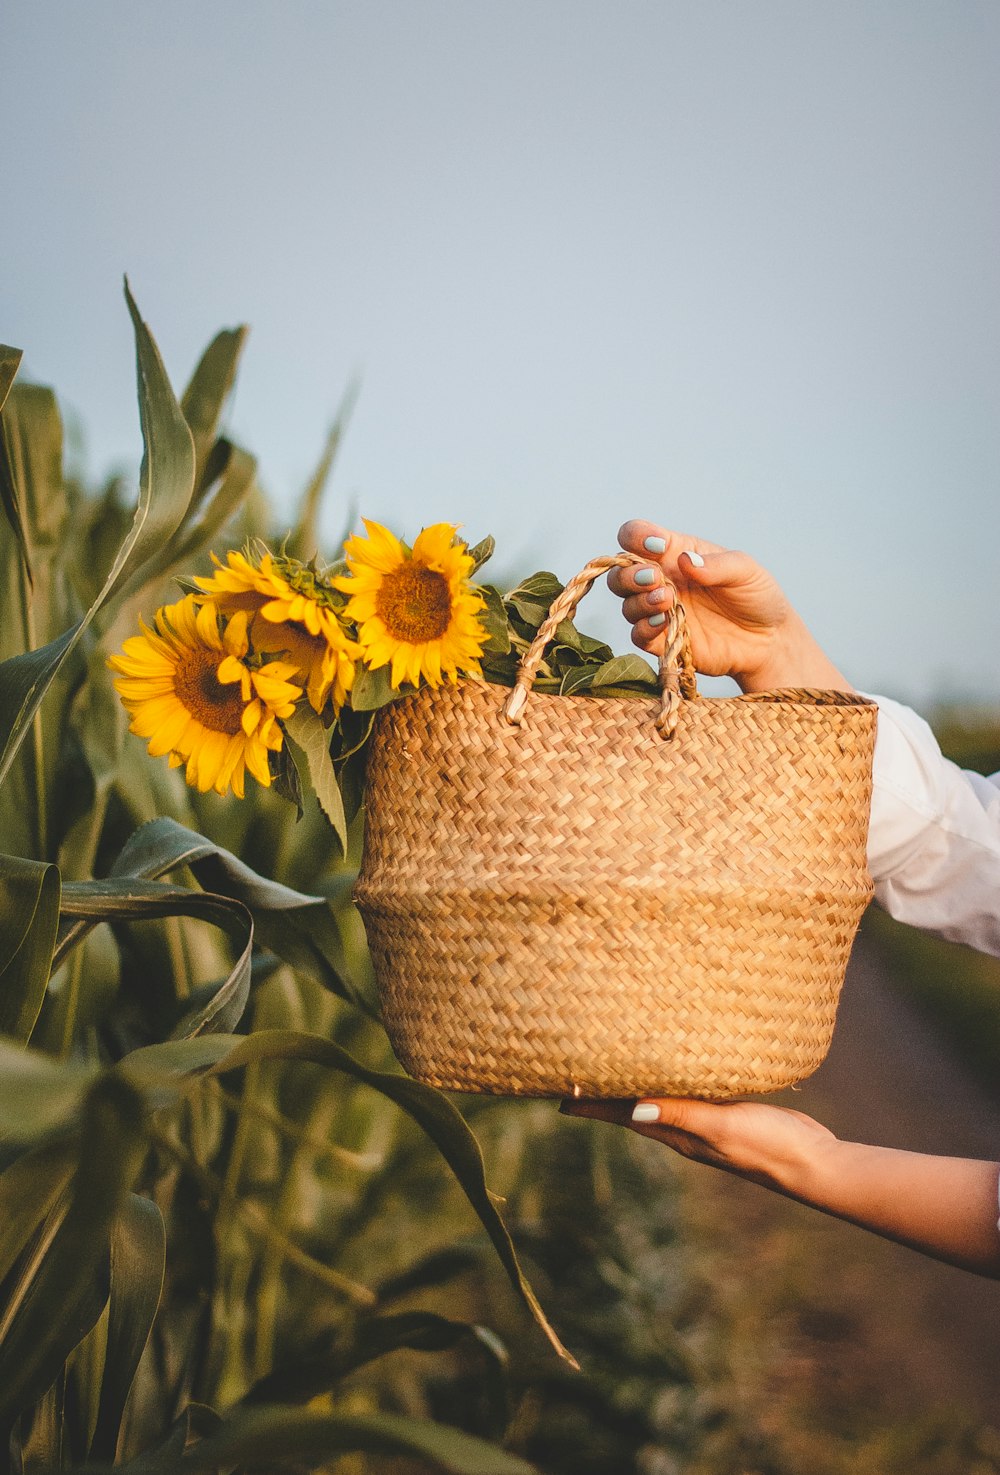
(417, 610)
(189, 689)
(292, 612)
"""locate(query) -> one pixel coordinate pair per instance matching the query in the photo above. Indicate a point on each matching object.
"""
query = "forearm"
(945, 1207)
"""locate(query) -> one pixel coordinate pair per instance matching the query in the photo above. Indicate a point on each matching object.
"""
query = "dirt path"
(872, 1332)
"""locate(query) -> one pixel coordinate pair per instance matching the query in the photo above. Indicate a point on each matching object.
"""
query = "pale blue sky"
(729, 265)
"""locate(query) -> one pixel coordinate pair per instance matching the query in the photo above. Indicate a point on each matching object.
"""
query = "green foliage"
(214, 1179)
(573, 663)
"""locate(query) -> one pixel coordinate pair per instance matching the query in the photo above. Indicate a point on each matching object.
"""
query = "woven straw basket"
(601, 896)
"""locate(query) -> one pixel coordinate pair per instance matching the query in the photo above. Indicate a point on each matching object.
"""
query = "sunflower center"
(214, 704)
(290, 637)
(414, 603)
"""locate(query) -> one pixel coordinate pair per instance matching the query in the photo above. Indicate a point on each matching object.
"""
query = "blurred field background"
(319, 1255)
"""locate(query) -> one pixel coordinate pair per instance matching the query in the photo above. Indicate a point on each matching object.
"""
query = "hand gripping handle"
(676, 670)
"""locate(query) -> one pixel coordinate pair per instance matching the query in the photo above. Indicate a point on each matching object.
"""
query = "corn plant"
(219, 1196)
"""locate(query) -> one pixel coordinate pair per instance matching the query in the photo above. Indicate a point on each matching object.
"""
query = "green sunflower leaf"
(305, 731)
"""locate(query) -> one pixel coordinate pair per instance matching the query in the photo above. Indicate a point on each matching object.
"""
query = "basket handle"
(676, 669)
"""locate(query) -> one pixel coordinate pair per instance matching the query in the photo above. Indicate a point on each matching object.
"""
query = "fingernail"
(646, 1111)
(657, 596)
(655, 545)
(695, 558)
(645, 576)
(656, 619)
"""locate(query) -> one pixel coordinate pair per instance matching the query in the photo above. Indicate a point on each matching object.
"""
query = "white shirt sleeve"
(934, 838)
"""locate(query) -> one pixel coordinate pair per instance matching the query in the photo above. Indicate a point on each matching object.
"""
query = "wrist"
(793, 658)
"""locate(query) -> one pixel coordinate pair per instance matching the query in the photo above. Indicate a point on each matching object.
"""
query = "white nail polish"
(656, 619)
(646, 1111)
(654, 545)
(645, 576)
(695, 558)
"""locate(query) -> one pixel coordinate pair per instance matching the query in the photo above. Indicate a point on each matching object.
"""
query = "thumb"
(709, 570)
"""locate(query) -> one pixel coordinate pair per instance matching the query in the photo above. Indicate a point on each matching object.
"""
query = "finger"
(648, 539)
(724, 566)
(691, 1127)
(649, 637)
(638, 607)
(639, 579)
(686, 1113)
(601, 1111)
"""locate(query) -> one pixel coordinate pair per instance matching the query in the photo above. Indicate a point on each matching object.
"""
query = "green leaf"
(37, 1094)
(534, 593)
(164, 1458)
(370, 1338)
(482, 552)
(350, 733)
(569, 637)
(134, 900)
(303, 539)
(165, 484)
(286, 780)
(305, 730)
(10, 359)
(209, 388)
(299, 928)
(236, 472)
(69, 1290)
(271, 1437)
(10, 362)
(138, 1262)
(494, 620)
(432, 1111)
(374, 689)
(162, 845)
(620, 671)
(29, 915)
(29, 1188)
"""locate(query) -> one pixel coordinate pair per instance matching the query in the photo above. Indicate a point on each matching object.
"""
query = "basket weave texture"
(575, 905)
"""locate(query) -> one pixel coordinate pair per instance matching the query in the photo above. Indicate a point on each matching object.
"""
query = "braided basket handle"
(676, 670)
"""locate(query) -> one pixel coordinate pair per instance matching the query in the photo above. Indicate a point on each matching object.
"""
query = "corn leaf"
(38, 1095)
(138, 1262)
(70, 1288)
(10, 359)
(164, 1458)
(202, 401)
(29, 1188)
(371, 1338)
(10, 362)
(300, 929)
(432, 1111)
(165, 485)
(233, 473)
(303, 540)
(272, 1437)
(126, 900)
(29, 915)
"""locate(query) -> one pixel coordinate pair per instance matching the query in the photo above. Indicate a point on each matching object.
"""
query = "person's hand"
(740, 622)
(771, 1145)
